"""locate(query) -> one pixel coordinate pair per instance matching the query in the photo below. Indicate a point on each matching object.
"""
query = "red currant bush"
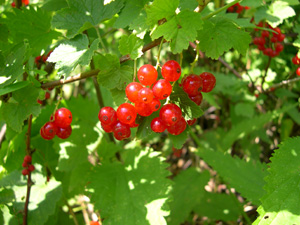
(145, 95)
(178, 127)
(143, 109)
(157, 125)
(48, 131)
(64, 133)
(121, 131)
(147, 74)
(171, 71)
(197, 99)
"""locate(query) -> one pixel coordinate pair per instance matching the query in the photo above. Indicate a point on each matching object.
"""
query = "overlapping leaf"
(131, 45)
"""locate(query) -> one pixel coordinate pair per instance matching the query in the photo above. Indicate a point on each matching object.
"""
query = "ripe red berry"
(265, 33)
(126, 113)
(64, 133)
(197, 99)
(170, 114)
(132, 90)
(298, 71)
(48, 131)
(24, 164)
(192, 84)
(145, 95)
(281, 37)
(37, 60)
(261, 47)
(162, 89)
(278, 47)
(31, 168)
(143, 109)
(277, 30)
(209, 81)
(268, 51)
(147, 74)
(27, 159)
(47, 95)
(121, 131)
(107, 115)
(40, 101)
(155, 105)
(62, 117)
(157, 125)
(107, 128)
(26, 2)
(178, 127)
(259, 41)
(274, 39)
(296, 60)
(230, 9)
(171, 71)
(177, 152)
(25, 172)
(191, 122)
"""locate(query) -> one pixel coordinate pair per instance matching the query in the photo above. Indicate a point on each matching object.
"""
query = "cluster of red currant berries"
(47, 96)
(296, 61)
(25, 2)
(237, 8)
(28, 167)
(60, 125)
(41, 59)
(269, 44)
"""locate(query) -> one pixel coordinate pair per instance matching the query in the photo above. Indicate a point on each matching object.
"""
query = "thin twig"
(72, 213)
(236, 73)
(282, 83)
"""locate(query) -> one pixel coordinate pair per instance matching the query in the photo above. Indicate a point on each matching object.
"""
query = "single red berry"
(145, 95)
(64, 133)
(246, 7)
(278, 47)
(31, 168)
(277, 30)
(298, 71)
(24, 164)
(47, 95)
(147, 74)
(143, 109)
(274, 53)
(197, 99)
(94, 223)
(25, 172)
(191, 122)
(296, 60)
(268, 51)
(132, 90)
(261, 47)
(162, 89)
(37, 60)
(177, 152)
(40, 101)
(170, 114)
(230, 9)
(107, 115)
(13, 4)
(27, 159)
(121, 131)
(192, 84)
(171, 71)
(107, 128)
(62, 117)
(209, 81)
(126, 113)
(239, 8)
(281, 37)
(25, 2)
(155, 105)
(157, 125)
(48, 131)
(50, 89)
(256, 40)
(265, 33)
(178, 127)
(274, 39)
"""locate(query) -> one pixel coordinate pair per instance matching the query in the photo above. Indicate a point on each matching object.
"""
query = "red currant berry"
(31, 168)
(171, 71)
(192, 84)
(47, 95)
(178, 127)
(274, 53)
(155, 105)
(298, 71)
(132, 90)
(265, 33)
(197, 99)
(278, 47)
(277, 30)
(177, 152)
(40, 101)
(239, 8)
(25, 172)
(26, 2)
(63, 117)
(37, 60)
(24, 164)
(126, 113)
(143, 109)
(261, 47)
(121, 131)
(107, 115)
(162, 89)
(281, 37)
(145, 95)
(64, 133)
(147, 74)
(157, 125)
(28, 159)
(170, 114)
(13, 4)
(274, 39)
(48, 131)
(191, 122)
(268, 51)
(296, 60)
(209, 81)
(107, 128)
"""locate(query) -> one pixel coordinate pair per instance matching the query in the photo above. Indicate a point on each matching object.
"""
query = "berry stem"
(195, 60)
(72, 213)
(158, 54)
(220, 10)
(134, 70)
(58, 102)
(100, 39)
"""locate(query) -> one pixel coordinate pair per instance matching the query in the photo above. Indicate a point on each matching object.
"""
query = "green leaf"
(252, 3)
(244, 109)
(132, 192)
(218, 207)
(280, 204)
(24, 104)
(14, 87)
(221, 30)
(179, 140)
(12, 68)
(71, 53)
(84, 14)
(194, 182)
(275, 13)
(112, 74)
(144, 129)
(118, 95)
(54, 5)
(246, 177)
(180, 30)
(131, 45)
(32, 24)
(8, 217)
(190, 109)
(161, 9)
(139, 25)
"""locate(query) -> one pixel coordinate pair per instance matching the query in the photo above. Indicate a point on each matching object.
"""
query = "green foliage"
(280, 202)
(131, 45)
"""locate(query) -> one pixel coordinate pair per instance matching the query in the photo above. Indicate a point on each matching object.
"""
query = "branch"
(29, 181)
(282, 83)
(93, 73)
